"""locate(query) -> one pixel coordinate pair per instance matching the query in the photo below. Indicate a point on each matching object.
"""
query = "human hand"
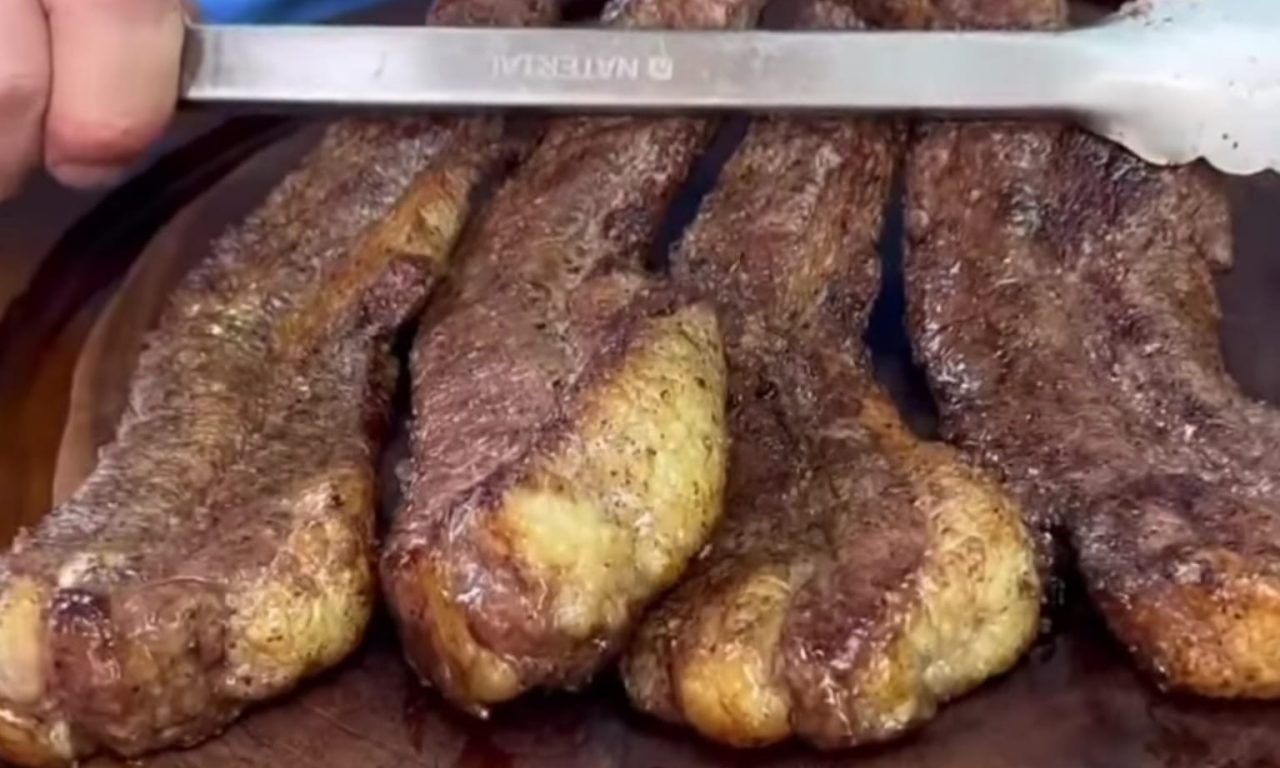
(85, 85)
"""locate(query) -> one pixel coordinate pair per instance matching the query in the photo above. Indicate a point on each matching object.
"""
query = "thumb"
(115, 83)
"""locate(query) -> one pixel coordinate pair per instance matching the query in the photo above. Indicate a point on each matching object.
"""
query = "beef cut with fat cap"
(1062, 300)
(568, 442)
(861, 576)
(222, 549)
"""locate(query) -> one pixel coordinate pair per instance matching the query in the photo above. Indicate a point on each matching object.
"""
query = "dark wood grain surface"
(1072, 704)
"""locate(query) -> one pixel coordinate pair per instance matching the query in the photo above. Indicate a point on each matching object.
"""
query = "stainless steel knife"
(1174, 81)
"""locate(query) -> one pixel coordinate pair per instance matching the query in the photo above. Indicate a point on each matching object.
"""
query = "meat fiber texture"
(861, 576)
(568, 438)
(1062, 300)
(222, 549)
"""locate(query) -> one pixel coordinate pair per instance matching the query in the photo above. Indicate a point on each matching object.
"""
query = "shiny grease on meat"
(568, 440)
(860, 576)
(222, 549)
(1062, 302)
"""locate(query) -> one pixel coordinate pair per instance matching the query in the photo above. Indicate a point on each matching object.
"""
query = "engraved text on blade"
(576, 67)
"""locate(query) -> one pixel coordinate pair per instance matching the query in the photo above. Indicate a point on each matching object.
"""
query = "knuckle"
(100, 140)
(139, 11)
(22, 104)
(11, 178)
(22, 97)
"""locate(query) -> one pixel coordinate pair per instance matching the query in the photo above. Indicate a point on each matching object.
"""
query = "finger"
(115, 82)
(24, 89)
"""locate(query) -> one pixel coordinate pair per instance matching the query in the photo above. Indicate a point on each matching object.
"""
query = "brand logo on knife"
(570, 67)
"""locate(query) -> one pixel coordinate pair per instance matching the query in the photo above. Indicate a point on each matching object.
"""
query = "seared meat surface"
(223, 547)
(1062, 300)
(568, 443)
(860, 576)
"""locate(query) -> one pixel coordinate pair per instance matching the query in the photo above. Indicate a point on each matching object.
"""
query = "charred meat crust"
(195, 505)
(854, 562)
(478, 556)
(1063, 303)
(223, 548)
(193, 508)
(568, 453)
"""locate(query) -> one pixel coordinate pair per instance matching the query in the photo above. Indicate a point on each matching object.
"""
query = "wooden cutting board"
(1073, 703)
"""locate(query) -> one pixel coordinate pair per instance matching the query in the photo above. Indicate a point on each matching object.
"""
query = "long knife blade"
(636, 71)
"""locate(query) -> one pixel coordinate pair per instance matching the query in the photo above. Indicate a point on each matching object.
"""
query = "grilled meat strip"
(223, 547)
(568, 444)
(1062, 300)
(861, 576)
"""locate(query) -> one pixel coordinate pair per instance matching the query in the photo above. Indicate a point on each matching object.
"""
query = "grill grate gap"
(887, 338)
(582, 11)
(702, 179)
(776, 14)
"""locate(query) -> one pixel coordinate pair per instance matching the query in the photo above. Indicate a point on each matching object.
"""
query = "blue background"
(277, 11)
